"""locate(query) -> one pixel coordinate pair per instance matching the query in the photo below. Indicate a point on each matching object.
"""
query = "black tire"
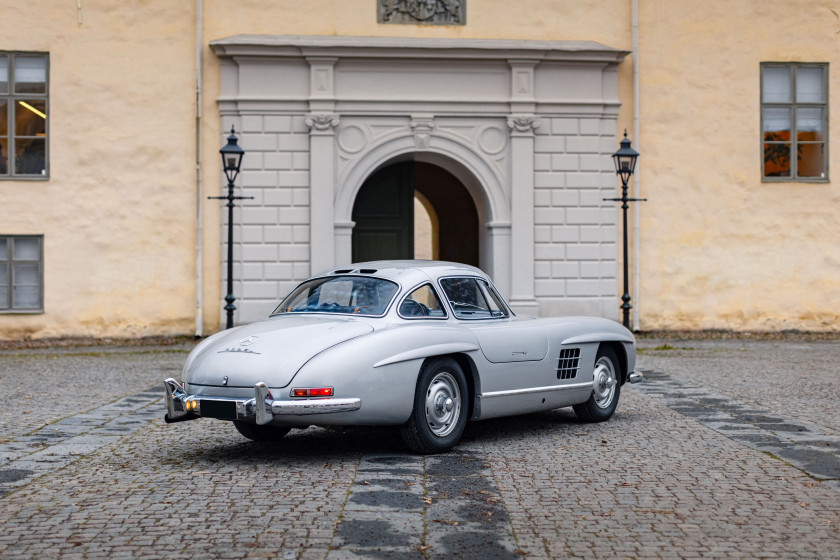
(604, 398)
(441, 405)
(255, 432)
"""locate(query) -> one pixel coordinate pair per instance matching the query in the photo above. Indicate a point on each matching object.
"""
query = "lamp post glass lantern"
(625, 165)
(231, 163)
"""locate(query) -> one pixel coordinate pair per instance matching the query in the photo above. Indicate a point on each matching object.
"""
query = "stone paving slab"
(57, 445)
(800, 444)
(667, 477)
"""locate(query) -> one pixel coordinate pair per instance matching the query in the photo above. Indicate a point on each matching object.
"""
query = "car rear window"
(355, 295)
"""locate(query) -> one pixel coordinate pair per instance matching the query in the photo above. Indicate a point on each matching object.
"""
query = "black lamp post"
(625, 164)
(231, 162)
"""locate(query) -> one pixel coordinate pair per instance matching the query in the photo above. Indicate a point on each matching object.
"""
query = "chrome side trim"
(494, 394)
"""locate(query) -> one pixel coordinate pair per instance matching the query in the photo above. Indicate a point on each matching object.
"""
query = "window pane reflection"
(777, 160)
(30, 156)
(776, 85)
(4, 74)
(776, 123)
(25, 297)
(31, 118)
(809, 124)
(30, 74)
(810, 160)
(27, 249)
(4, 156)
(809, 85)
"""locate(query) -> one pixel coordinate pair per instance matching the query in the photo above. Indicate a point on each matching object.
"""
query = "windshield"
(358, 295)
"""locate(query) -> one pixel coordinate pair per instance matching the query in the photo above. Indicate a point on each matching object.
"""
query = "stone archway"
(477, 179)
(383, 214)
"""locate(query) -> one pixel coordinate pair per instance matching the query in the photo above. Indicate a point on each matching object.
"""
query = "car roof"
(409, 272)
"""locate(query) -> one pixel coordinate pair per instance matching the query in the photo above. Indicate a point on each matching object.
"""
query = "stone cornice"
(412, 47)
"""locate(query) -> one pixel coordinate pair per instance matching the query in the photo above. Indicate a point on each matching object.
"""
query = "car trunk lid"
(270, 351)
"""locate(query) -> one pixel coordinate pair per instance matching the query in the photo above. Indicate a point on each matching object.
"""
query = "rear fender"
(473, 381)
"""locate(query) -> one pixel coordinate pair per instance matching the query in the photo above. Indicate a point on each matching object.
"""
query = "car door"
(515, 347)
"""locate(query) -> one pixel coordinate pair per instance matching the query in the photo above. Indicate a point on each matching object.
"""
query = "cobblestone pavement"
(670, 476)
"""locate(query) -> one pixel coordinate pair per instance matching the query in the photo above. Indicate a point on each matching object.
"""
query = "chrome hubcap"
(604, 383)
(443, 404)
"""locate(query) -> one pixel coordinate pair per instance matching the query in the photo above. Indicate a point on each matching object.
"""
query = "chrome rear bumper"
(261, 409)
(636, 377)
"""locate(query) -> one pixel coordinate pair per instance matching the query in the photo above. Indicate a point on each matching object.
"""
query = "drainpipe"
(199, 194)
(636, 190)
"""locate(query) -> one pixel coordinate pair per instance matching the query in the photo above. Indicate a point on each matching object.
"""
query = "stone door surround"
(500, 115)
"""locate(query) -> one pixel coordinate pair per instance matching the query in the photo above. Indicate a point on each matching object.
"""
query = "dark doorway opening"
(384, 215)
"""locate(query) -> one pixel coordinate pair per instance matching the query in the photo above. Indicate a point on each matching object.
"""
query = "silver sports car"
(423, 345)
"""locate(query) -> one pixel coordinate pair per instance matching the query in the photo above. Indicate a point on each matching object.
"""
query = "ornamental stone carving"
(523, 124)
(423, 12)
(322, 122)
(422, 126)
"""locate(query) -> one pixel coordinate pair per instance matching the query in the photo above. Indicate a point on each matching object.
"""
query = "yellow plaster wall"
(117, 212)
(720, 248)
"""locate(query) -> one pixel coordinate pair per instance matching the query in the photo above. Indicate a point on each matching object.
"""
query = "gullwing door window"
(473, 298)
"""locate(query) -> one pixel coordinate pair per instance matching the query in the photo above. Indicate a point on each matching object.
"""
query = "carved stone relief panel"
(422, 12)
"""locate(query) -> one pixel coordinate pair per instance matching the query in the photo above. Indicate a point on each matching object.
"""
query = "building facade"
(480, 130)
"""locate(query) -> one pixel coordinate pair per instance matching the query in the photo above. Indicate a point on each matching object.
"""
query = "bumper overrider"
(260, 410)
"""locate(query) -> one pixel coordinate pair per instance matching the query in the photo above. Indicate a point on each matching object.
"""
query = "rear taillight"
(313, 392)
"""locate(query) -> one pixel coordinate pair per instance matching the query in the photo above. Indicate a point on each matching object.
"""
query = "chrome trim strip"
(513, 392)
(315, 406)
(261, 409)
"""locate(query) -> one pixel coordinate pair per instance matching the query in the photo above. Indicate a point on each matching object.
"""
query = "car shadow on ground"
(318, 443)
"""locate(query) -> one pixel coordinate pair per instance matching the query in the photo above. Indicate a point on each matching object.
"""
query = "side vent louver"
(569, 363)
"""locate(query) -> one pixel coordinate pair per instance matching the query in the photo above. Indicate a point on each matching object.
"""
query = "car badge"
(237, 351)
(225, 380)
(248, 341)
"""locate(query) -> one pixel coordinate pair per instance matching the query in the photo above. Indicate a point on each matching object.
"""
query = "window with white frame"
(794, 121)
(21, 273)
(24, 108)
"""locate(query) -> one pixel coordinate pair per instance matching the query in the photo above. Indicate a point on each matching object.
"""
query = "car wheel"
(256, 432)
(440, 408)
(606, 388)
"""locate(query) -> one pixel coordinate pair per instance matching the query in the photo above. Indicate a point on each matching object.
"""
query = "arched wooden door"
(384, 215)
